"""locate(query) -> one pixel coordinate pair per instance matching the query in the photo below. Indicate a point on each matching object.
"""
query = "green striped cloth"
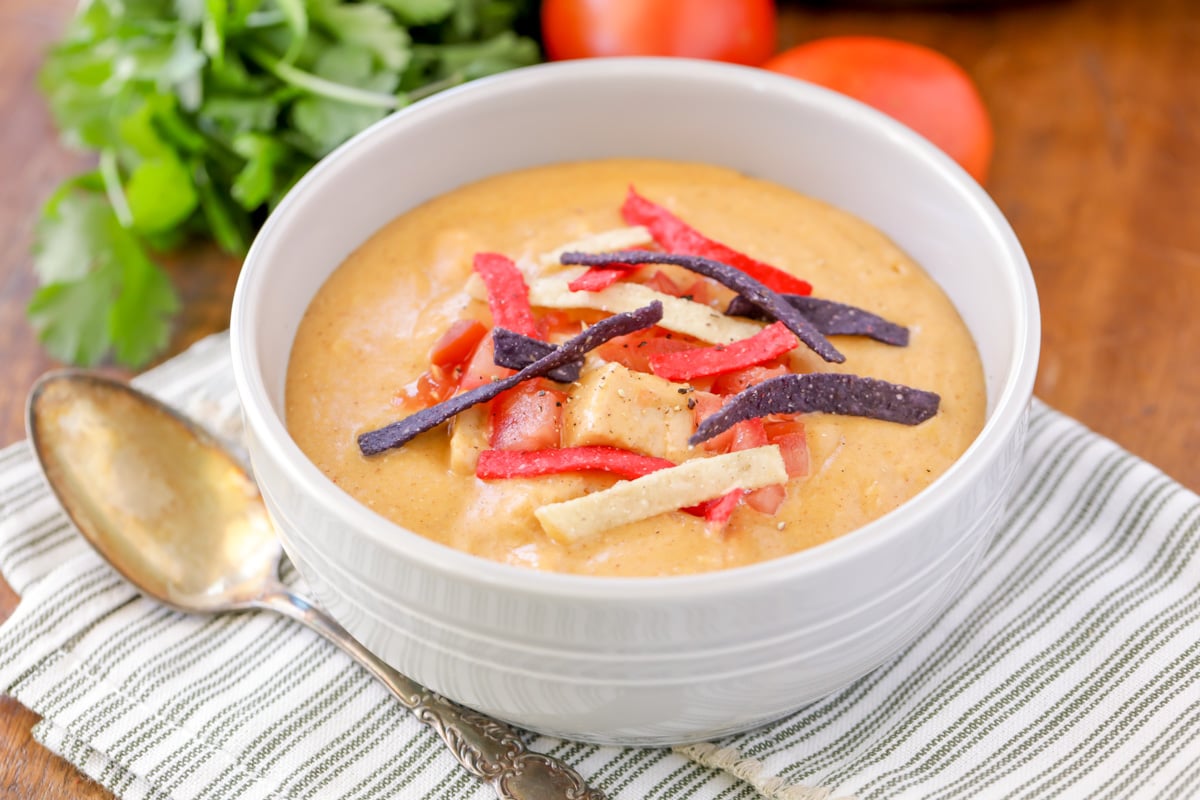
(1069, 668)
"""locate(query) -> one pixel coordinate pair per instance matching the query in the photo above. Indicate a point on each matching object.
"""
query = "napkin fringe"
(753, 772)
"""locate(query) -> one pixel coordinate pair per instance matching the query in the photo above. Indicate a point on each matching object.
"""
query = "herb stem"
(317, 85)
(265, 19)
(111, 176)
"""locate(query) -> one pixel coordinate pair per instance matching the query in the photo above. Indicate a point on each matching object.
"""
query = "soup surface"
(368, 333)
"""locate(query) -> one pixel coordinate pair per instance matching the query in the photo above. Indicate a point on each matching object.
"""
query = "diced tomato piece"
(747, 434)
(768, 499)
(662, 282)
(598, 279)
(558, 323)
(428, 389)
(457, 344)
(527, 417)
(634, 350)
(753, 433)
(735, 382)
(482, 367)
(700, 291)
(717, 512)
(791, 436)
(704, 405)
(794, 447)
(778, 425)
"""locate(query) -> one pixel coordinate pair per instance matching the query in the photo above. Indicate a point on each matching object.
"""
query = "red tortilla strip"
(495, 464)
(597, 279)
(508, 294)
(701, 362)
(676, 236)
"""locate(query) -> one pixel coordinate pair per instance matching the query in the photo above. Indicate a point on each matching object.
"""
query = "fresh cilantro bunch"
(203, 114)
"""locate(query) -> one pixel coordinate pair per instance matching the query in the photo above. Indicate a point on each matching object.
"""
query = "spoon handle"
(489, 749)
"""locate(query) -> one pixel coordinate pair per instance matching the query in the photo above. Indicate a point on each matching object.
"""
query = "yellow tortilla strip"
(603, 242)
(679, 315)
(688, 484)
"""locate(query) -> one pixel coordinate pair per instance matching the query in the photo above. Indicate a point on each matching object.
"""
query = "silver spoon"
(178, 517)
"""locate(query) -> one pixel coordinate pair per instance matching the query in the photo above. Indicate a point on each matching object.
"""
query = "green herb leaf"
(161, 194)
(228, 224)
(139, 319)
(100, 290)
(327, 122)
(255, 184)
(204, 113)
(71, 319)
(365, 29)
(72, 222)
(420, 12)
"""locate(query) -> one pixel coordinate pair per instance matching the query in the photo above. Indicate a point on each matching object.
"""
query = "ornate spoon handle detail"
(488, 749)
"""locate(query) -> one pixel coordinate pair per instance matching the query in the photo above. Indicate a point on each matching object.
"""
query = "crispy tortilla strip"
(614, 239)
(688, 484)
(679, 315)
(468, 438)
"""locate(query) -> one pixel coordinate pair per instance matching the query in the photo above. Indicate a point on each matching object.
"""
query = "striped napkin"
(1067, 669)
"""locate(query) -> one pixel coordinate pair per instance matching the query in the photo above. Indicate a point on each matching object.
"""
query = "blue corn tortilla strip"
(830, 318)
(516, 351)
(770, 302)
(405, 430)
(830, 393)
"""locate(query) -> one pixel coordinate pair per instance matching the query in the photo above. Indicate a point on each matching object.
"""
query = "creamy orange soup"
(369, 330)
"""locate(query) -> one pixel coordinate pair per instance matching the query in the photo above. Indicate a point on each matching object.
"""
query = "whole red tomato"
(741, 31)
(918, 86)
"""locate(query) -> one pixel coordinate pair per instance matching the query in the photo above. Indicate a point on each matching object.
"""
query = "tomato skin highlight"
(482, 367)
(732, 383)
(454, 347)
(768, 499)
(430, 387)
(635, 349)
(920, 87)
(738, 31)
(527, 417)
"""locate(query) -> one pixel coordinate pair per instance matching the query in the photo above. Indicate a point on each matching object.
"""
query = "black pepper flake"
(691, 403)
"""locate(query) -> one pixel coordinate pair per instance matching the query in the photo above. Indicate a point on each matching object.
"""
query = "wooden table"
(1096, 106)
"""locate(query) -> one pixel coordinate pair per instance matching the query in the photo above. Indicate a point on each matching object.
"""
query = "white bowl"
(654, 660)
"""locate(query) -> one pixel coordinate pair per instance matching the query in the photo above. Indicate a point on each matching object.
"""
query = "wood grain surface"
(1096, 105)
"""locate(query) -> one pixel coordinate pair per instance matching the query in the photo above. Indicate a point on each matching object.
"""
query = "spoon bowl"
(174, 512)
(157, 496)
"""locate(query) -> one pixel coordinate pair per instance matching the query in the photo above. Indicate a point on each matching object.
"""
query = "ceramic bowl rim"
(1002, 423)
